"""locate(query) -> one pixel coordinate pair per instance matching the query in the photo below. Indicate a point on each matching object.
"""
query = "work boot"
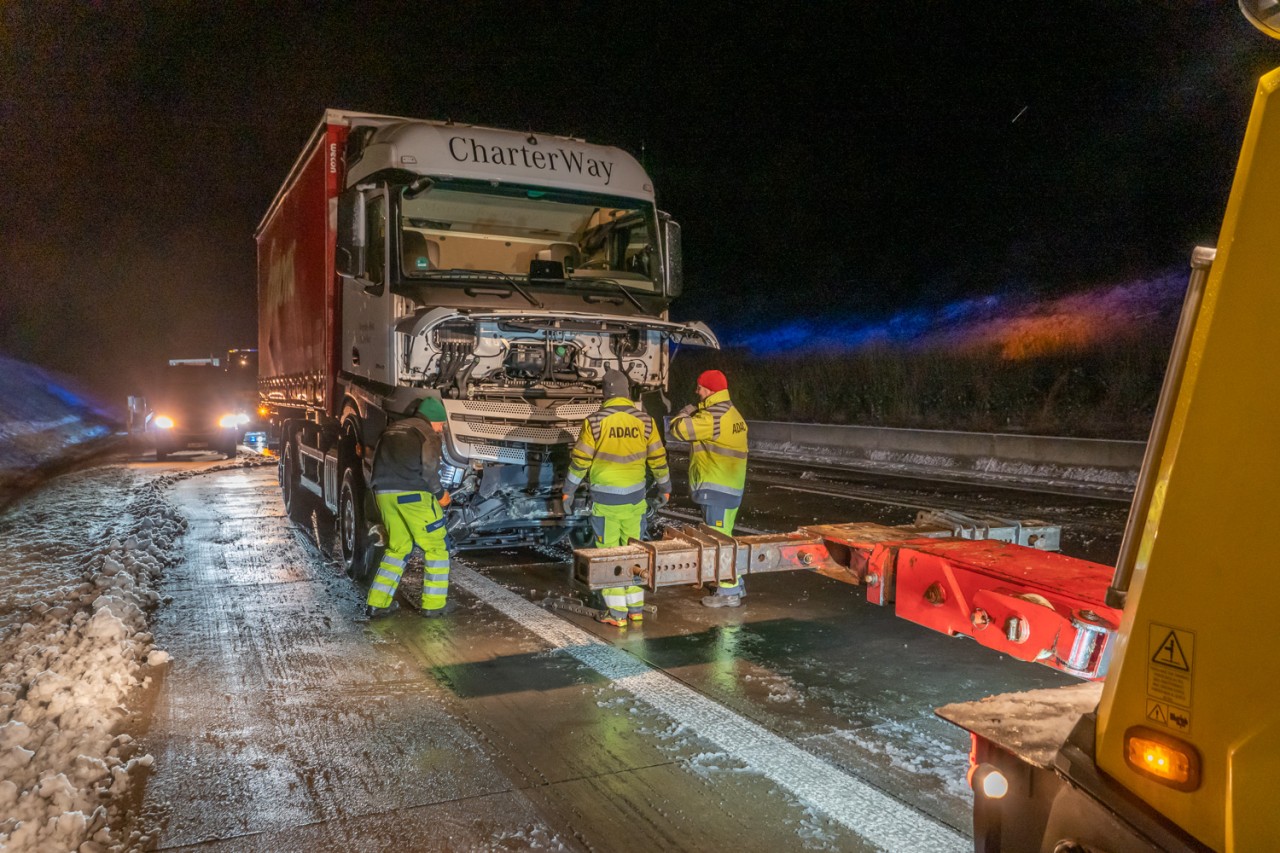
(610, 619)
(722, 601)
(378, 612)
(438, 612)
(637, 618)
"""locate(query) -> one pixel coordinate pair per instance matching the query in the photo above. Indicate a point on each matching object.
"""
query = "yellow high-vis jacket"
(615, 446)
(717, 435)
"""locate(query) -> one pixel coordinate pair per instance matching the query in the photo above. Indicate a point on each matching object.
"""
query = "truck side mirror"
(672, 268)
(351, 237)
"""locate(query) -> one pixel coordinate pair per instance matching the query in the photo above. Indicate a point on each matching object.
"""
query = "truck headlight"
(163, 422)
(232, 421)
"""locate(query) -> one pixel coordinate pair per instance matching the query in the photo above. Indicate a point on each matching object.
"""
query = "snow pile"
(70, 664)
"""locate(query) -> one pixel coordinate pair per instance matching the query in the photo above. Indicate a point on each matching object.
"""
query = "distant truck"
(503, 272)
(193, 405)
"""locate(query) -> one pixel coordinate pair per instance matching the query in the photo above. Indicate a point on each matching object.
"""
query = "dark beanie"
(713, 381)
(616, 384)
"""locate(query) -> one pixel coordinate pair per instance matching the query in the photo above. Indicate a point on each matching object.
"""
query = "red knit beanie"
(713, 381)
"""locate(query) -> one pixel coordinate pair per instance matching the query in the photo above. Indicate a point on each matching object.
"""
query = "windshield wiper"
(620, 287)
(463, 275)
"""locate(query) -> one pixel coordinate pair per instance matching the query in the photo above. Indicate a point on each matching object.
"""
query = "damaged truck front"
(502, 272)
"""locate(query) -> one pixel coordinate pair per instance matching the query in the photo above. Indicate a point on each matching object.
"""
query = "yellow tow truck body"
(1183, 750)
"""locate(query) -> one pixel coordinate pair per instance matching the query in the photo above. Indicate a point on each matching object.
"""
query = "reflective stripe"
(574, 479)
(724, 490)
(388, 577)
(437, 577)
(389, 590)
(436, 564)
(616, 490)
(389, 560)
(708, 447)
(613, 457)
(615, 598)
(583, 447)
(606, 498)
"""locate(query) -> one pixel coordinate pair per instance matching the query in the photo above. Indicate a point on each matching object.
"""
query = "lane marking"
(872, 814)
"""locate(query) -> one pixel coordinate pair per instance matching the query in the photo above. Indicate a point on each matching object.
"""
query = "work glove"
(444, 500)
(661, 499)
(567, 497)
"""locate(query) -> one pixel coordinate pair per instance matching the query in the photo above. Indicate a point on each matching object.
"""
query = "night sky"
(825, 159)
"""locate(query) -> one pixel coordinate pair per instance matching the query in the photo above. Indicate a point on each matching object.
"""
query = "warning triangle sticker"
(1170, 653)
(1157, 713)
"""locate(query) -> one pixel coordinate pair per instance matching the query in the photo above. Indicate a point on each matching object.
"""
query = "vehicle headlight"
(232, 421)
(163, 422)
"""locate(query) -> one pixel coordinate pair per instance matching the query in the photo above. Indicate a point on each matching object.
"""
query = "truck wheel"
(353, 527)
(295, 502)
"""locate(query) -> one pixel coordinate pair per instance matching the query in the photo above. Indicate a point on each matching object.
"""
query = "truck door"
(366, 301)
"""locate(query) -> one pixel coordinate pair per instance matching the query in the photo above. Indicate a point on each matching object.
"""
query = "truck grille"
(512, 432)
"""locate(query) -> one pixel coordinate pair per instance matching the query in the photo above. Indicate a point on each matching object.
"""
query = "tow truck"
(1179, 747)
(1172, 740)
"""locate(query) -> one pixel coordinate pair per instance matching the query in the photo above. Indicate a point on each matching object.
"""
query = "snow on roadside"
(72, 661)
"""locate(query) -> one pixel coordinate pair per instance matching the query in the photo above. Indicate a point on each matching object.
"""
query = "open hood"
(695, 334)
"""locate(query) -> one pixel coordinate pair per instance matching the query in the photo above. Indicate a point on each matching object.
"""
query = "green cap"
(432, 409)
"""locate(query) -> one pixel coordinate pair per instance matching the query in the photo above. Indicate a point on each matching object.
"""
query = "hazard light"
(1162, 757)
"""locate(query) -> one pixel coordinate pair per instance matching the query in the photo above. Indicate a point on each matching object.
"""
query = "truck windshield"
(534, 234)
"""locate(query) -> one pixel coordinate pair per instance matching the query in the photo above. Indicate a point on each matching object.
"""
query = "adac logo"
(624, 432)
(739, 427)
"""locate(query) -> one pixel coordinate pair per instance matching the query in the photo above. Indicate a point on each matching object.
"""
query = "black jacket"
(407, 458)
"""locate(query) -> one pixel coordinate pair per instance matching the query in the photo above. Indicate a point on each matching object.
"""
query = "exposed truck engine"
(502, 272)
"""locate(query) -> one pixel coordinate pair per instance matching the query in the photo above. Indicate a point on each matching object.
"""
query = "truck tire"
(353, 527)
(295, 497)
(581, 536)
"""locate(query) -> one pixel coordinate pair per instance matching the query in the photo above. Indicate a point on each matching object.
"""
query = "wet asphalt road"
(802, 720)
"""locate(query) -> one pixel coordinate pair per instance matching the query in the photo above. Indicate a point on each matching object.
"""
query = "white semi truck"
(501, 271)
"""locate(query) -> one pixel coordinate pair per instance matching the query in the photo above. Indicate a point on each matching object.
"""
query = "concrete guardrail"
(1078, 465)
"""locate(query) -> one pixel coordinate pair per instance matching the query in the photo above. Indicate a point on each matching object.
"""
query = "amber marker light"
(1162, 757)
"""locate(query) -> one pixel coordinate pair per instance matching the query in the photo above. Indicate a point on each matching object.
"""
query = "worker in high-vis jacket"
(717, 437)
(616, 445)
(406, 484)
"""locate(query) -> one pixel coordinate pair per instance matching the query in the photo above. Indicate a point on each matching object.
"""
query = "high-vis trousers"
(613, 526)
(412, 518)
(722, 519)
